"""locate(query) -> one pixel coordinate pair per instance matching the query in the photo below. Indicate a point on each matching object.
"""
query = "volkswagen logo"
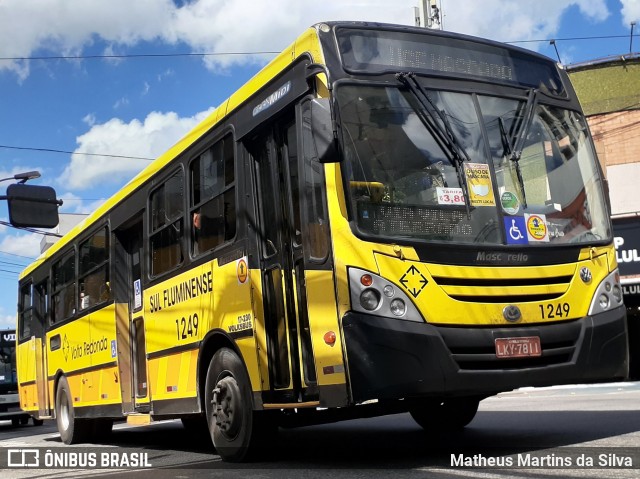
(511, 313)
(585, 274)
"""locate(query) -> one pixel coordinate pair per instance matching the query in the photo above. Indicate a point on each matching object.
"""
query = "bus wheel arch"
(72, 430)
(213, 342)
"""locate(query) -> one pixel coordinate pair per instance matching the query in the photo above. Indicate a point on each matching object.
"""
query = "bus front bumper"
(389, 358)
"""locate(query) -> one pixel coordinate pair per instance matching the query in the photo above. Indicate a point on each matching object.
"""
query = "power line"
(30, 230)
(136, 55)
(7, 271)
(265, 52)
(571, 39)
(51, 150)
(10, 263)
(30, 258)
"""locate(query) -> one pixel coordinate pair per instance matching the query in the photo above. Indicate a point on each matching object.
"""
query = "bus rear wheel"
(450, 414)
(71, 429)
(228, 406)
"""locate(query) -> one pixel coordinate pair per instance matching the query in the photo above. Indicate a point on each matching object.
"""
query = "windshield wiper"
(438, 126)
(513, 150)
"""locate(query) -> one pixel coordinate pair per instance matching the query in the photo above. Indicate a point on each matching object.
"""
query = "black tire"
(228, 407)
(37, 422)
(445, 415)
(71, 429)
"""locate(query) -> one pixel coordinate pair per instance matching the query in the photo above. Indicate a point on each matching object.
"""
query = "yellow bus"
(383, 219)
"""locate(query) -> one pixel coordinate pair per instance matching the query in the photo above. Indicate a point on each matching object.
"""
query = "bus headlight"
(371, 293)
(617, 293)
(370, 299)
(608, 294)
(398, 307)
(603, 299)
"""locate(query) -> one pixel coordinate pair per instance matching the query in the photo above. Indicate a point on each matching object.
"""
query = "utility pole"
(428, 14)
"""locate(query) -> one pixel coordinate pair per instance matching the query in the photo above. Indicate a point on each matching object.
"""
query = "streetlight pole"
(23, 177)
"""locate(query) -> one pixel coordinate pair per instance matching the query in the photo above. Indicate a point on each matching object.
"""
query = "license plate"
(518, 347)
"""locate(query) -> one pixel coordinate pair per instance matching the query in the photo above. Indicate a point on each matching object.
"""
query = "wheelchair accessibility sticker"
(516, 230)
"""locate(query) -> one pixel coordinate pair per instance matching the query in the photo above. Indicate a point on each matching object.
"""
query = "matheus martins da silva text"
(547, 460)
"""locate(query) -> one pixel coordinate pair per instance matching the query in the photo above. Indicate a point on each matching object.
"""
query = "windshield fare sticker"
(479, 184)
(510, 203)
(537, 227)
(450, 196)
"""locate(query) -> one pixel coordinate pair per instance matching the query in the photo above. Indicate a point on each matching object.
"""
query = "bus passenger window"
(213, 201)
(94, 270)
(317, 219)
(64, 285)
(167, 225)
(25, 311)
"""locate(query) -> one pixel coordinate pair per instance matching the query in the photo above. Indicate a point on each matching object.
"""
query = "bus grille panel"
(504, 290)
(474, 348)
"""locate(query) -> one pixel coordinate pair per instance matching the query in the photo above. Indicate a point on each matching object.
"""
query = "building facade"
(609, 91)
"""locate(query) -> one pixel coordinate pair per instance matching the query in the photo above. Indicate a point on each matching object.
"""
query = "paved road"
(558, 425)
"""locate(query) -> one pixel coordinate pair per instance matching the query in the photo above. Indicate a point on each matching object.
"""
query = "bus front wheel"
(445, 415)
(72, 430)
(228, 406)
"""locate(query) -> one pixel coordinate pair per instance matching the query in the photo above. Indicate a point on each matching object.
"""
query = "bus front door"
(130, 329)
(39, 343)
(291, 365)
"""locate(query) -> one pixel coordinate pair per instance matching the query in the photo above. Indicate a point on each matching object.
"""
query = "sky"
(80, 79)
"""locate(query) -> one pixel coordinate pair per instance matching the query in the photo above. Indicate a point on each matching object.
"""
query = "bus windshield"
(7, 362)
(404, 184)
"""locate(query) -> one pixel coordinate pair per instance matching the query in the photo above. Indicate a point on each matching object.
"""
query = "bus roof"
(307, 42)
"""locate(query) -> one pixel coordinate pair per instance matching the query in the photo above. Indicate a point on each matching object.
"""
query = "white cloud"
(21, 244)
(122, 102)
(218, 26)
(90, 119)
(7, 321)
(506, 20)
(143, 139)
(630, 12)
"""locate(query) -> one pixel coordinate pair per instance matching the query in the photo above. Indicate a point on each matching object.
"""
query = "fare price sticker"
(537, 229)
(450, 196)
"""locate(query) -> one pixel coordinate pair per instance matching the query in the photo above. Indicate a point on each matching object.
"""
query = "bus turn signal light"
(330, 338)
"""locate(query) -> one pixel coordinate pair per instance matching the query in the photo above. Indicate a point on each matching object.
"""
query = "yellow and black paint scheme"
(288, 313)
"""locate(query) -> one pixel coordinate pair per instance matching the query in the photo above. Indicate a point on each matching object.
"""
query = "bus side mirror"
(324, 141)
(607, 197)
(32, 206)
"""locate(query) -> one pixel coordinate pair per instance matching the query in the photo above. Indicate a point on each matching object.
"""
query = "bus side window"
(25, 311)
(167, 224)
(317, 222)
(64, 286)
(94, 272)
(212, 202)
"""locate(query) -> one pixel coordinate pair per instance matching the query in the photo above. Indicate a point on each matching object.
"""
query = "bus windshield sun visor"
(436, 122)
(513, 143)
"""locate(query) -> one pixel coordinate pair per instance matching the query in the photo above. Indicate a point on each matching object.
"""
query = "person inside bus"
(197, 225)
